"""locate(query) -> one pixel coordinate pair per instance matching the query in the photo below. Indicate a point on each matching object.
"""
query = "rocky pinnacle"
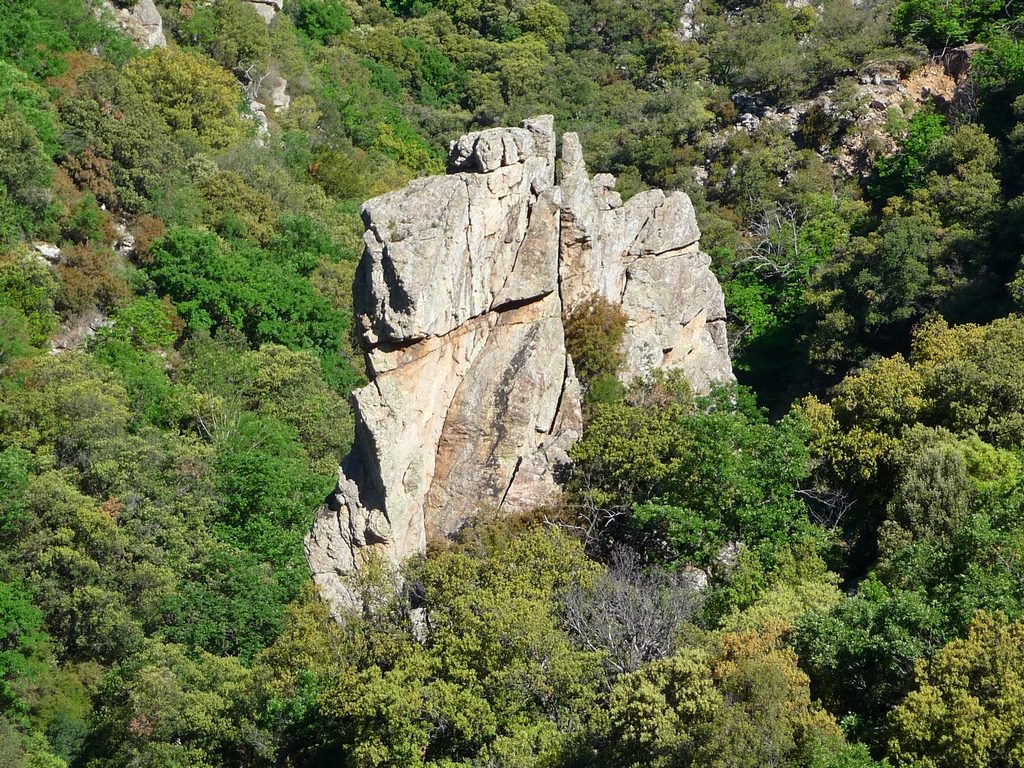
(459, 299)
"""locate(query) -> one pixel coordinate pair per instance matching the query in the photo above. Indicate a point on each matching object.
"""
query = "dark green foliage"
(263, 294)
(20, 635)
(693, 476)
(321, 19)
(230, 32)
(875, 638)
(905, 170)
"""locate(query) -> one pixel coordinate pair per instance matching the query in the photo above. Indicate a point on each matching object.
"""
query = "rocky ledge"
(459, 297)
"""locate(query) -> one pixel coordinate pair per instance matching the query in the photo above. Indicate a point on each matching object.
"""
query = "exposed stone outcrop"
(48, 251)
(267, 9)
(860, 111)
(276, 88)
(142, 23)
(459, 299)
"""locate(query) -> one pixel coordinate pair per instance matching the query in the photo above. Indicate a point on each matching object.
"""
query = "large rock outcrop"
(459, 299)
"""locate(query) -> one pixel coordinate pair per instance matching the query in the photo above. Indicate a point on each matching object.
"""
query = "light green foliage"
(268, 490)
(25, 178)
(661, 710)
(146, 323)
(165, 708)
(234, 208)
(20, 640)
(945, 24)
(966, 710)
(15, 336)
(798, 583)
(18, 92)
(34, 33)
(972, 376)
(492, 677)
(743, 702)
(196, 98)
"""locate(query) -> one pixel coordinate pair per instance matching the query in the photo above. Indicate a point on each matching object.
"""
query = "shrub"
(593, 337)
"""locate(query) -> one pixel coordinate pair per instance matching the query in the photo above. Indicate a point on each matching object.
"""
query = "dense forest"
(821, 566)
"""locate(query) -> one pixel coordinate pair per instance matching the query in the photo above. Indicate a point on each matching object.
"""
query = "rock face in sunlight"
(141, 22)
(459, 298)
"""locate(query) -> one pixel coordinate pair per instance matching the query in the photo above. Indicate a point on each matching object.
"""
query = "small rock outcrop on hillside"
(459, 299)
(141, 22)
(267, 9)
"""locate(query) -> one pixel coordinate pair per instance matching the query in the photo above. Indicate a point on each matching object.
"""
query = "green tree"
(692, 477)
(25, 178)
(593, 338)
(194, 96)
(163, 707)
(966, 709)
(743, 701)
(321, 19)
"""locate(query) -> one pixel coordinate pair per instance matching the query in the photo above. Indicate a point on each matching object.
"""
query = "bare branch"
(631, 614)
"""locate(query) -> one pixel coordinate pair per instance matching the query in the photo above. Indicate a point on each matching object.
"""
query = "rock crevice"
(460, 298)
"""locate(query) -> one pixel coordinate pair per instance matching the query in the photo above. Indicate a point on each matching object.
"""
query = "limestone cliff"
(459, 300)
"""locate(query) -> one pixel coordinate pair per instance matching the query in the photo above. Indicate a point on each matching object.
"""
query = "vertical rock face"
(459, 298)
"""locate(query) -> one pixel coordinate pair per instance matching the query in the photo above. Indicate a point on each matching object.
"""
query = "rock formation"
(267, 9)
(459, 300)
(142, 23)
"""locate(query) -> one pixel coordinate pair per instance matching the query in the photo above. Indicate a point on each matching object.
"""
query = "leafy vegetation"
(819, 567)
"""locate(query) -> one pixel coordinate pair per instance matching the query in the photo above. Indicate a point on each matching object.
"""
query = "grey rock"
(258, 114)
(277, 90)
(693, 578)
(48, 251)
(459, 298)
(749, 122)
(267, 9)
(142, 22)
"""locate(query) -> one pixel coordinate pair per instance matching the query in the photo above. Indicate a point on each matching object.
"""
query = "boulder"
(50, 252)
(267, 9)
(473, 403)
(142, 22)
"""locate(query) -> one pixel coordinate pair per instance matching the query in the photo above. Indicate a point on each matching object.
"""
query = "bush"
(593, 338)
(320, 19)
(194, 96)
(90, 280)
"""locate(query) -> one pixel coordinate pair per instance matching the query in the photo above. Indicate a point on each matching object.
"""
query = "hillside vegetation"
(822, 567)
